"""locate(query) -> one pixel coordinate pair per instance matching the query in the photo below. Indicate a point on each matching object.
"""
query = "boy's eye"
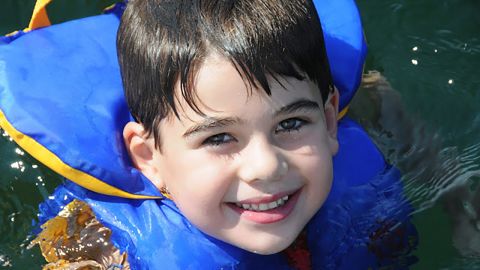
(218, 139)
(289, 125)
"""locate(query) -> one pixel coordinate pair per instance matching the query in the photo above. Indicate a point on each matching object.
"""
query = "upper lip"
(267, 198)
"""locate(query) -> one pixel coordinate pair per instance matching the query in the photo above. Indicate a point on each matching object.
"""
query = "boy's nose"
(262, 160)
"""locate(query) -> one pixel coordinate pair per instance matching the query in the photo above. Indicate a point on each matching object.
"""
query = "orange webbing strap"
(342, 113)
(39, 16)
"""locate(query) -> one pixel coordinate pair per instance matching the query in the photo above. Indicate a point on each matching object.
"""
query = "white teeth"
(263, 206)
(273, 205)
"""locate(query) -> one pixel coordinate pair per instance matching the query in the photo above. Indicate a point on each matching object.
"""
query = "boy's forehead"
(219, 90)
(219, 85)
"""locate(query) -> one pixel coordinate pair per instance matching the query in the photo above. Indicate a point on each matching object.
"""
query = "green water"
(429, 51)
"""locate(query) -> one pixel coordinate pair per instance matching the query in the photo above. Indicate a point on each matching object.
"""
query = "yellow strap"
(39, 16)
(342, 113)
(49, 159)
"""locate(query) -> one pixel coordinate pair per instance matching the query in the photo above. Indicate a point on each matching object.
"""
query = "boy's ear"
(141, 149)
(331, 118)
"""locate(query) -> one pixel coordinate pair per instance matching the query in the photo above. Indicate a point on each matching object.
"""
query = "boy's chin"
(267, 246)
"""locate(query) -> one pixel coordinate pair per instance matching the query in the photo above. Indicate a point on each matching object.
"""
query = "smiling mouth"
(264, 206)
(264, 211)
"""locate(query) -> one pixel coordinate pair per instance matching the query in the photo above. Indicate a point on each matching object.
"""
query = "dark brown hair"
(162, 42)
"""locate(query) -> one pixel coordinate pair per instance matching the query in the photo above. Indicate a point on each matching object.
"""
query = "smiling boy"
(236, 113)
(235, 123)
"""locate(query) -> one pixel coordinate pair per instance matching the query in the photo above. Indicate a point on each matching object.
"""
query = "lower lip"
(268, 216)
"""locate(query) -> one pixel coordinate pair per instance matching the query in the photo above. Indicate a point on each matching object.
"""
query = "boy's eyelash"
(215, 139)
(288, 127)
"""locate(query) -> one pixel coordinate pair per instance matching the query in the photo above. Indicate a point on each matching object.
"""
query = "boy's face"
(256, 168)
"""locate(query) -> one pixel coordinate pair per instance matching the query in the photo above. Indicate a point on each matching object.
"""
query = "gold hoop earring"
(165, 192)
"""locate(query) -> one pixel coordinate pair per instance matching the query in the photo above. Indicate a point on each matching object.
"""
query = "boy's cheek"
(316, 144)
(319, 168)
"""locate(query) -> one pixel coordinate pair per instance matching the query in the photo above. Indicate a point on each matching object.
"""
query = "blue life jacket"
(61, 100)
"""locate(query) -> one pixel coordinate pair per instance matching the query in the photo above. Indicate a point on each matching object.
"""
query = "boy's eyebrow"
(300, 104)
(213, 122)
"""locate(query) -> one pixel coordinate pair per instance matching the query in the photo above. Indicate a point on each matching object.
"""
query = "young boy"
(235, 123)
(236, 113)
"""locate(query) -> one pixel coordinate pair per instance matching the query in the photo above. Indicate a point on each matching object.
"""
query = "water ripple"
(454, 168)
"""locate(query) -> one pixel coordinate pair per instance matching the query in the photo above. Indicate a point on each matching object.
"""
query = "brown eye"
(289, 125)
(218, 139)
